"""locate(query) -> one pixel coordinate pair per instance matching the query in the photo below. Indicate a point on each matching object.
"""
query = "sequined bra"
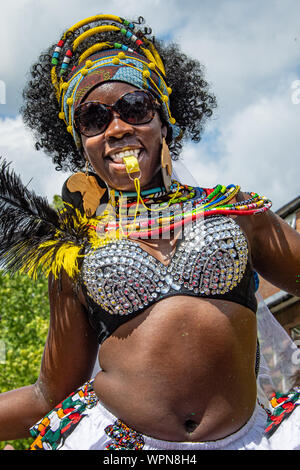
(211, 260)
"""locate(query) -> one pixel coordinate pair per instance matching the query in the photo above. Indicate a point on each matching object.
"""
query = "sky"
(250, 51)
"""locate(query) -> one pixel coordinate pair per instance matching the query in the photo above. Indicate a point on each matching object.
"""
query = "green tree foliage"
(24, 319)
(57, 202)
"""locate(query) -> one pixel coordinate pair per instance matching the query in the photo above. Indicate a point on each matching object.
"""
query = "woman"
(158, 273)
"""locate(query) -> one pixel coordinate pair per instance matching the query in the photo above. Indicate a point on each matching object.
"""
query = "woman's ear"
(164, 131)
(83, 151)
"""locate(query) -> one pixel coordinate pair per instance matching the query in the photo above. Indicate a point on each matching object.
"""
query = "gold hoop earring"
(166, 165)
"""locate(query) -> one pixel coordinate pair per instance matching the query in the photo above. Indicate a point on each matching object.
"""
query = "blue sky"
(251, 53)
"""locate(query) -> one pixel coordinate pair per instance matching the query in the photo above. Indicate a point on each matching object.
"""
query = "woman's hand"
(68, 361)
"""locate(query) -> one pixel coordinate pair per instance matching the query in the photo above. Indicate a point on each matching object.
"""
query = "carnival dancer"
(159, 273)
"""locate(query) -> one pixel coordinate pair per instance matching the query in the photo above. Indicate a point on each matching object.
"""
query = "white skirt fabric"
(90, 435)
(81, 422)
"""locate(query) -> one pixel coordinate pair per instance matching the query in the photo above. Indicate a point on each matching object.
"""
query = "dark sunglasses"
(137, 107)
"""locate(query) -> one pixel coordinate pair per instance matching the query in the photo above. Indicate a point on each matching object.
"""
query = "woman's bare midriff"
(182, 370)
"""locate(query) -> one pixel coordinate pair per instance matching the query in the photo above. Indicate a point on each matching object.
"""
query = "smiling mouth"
(117, 158)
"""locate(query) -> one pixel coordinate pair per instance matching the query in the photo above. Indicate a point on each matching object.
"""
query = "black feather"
(27, 221)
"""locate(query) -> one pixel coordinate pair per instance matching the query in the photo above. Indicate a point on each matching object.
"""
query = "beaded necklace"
(158, 196)
(150, 213)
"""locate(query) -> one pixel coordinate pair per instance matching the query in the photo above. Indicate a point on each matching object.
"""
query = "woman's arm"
(276, 252)
(275, 249)
(68, 361)
(20, 409)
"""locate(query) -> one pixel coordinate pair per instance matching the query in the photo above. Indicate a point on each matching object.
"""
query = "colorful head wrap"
(106, 61)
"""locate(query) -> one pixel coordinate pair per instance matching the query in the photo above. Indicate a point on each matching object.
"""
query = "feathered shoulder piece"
(34, 237)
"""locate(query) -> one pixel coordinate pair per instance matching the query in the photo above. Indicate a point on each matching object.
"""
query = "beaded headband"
(108, 61)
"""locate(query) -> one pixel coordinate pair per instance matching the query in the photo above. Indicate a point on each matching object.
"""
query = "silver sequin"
(211, 259)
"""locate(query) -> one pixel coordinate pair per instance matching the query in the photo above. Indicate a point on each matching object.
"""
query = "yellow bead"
(151, 66)
(165, 98)
(169, 90)
(116, 61)
(61, 115)
(122, 55)
(84, 72)
(88, 64)
(70, 129)
(70, 101)
(172, 120)
(146, 74)
(64, 86)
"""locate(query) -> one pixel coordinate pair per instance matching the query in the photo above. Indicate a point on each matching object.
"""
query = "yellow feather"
(67, 259)
(67, 256)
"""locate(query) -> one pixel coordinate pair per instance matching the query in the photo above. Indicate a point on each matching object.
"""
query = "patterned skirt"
(81, 422)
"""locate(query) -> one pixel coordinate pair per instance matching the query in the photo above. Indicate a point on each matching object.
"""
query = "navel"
(190, 425)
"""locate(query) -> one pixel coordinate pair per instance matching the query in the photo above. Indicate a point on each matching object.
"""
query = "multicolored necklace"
(153, 212)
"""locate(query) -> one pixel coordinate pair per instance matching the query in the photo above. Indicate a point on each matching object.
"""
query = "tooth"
(118, 156)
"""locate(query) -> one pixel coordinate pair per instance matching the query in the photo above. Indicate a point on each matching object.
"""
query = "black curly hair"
(190, 102)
